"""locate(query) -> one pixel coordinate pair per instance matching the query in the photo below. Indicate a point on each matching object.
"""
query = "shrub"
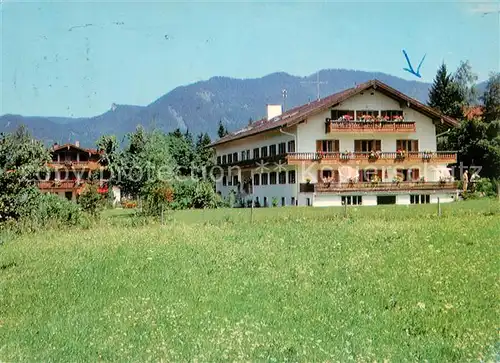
(91, 201)
(275, 202)
(486, 187)
(37, 210)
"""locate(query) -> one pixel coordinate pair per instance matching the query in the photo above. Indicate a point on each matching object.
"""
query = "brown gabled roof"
(300, 113)
(73, 146)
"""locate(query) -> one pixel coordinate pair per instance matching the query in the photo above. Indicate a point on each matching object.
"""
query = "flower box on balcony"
(400, 155)
(374, 156)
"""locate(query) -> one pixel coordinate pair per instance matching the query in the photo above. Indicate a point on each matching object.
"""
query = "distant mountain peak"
(200, 106)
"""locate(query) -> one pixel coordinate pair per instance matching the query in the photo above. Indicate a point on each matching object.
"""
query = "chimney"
(273, 111)
(77, 143)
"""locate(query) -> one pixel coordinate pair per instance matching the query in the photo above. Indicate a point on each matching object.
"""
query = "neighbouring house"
(367, 145)
(71, 168)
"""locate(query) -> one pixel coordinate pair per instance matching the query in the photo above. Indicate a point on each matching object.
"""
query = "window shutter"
(336, 146)
(379, 173)
(415, 174)
(399, 145)
(336, 176)
(320, 179)
(357, 145)
(318, 145)
(378, 145)
(414, 145)
(360, 174)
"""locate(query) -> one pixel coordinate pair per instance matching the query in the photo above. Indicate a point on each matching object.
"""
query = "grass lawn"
(389, 283)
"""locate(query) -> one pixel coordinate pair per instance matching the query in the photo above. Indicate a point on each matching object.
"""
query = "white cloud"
(483, 8)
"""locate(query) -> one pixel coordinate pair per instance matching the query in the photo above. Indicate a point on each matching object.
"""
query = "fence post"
(439, 207)
(251, 213)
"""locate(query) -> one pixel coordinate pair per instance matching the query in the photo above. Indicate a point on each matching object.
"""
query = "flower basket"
(400, 155)
(373, 156)
(398, 119)
(375, 180)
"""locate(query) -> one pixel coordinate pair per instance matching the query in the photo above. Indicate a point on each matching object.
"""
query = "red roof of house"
(300, 113)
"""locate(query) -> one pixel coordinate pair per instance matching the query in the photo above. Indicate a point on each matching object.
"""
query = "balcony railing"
(92, 165)
(63, 184)
(256, 161)
(370, 126)
(382, 187)
(66, 184)
(373, 157)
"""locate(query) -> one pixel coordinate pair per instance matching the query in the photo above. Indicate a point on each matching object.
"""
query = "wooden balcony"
(370, 126)
(366, 187)
(380, 158)
(58, 185)
(77, 165)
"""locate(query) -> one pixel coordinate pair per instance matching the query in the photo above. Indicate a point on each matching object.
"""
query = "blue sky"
(134, 52)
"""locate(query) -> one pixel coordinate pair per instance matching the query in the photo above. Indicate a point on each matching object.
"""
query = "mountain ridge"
(199, 106)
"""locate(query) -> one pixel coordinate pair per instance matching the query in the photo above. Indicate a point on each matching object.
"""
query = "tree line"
(477, 137)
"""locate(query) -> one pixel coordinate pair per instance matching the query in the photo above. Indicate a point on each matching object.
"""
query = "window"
(409, 174)
(408, 145)
(282, 148)
(235, 180)
(263, 152)
(367, 145)
(386, 199)
(391, 113)
(291, 177)
(283, 201)
(256, 153)
(337, 114)
(291, 146)
(257, 203)
(218, 160)
(272, 150)
(361, 113)
(420, 199)
(256, 179)
(272, 177)
(243, 156)
(328, 176)
(264, 178)
(248, 154)
(292, 201)
(327, 145)
(369, 174)
(230, 159)
(352, 200)
(224, 160)
(224, 181)
(308, 200)
(235, 157)
(282, 177)
(265, 201)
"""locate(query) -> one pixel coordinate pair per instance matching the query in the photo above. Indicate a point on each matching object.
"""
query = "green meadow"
(302, 284)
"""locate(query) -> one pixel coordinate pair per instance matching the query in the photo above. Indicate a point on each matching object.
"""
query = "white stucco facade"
(305, 135)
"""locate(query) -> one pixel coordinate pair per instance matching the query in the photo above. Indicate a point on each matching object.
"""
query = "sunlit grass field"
(388, 283)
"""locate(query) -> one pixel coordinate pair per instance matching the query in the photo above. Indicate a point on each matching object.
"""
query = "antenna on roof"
(317, 83)
(284, 93)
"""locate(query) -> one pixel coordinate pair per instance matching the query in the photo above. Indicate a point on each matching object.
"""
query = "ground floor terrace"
(322, 184)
